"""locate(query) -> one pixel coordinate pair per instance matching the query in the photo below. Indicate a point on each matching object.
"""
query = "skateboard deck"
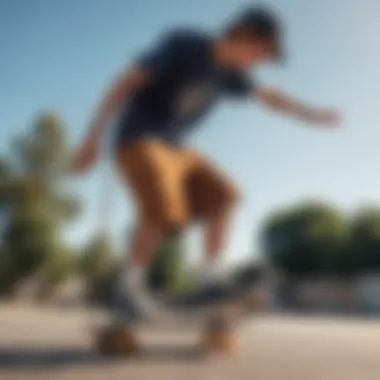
(218, 325)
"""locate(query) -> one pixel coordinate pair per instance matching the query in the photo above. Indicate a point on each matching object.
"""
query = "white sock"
(133, 279)
(133, 283)
(212, 272)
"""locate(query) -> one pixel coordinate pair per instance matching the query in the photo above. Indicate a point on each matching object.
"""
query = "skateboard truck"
(218, 332)
(218, 335)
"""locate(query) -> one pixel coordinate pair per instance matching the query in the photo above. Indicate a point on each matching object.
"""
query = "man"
(158, 102)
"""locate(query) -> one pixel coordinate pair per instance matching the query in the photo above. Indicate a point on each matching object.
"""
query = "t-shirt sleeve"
(168, 51)
(238, 84)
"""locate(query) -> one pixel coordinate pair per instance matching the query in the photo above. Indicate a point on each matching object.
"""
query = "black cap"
(264, 23)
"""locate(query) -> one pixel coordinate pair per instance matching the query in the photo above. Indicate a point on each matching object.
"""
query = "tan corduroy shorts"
(173, 186)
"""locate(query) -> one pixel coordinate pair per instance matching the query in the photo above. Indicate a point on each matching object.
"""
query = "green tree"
(98, 266)
(366, 240)
(310, 239)
(59, 266)
(4, 180)
(34, 187)
(168, 272)
(7, 272)
(249, 274)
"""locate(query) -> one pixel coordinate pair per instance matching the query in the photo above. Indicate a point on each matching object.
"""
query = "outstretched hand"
(86, 156)
(326, 117)
(286, 104)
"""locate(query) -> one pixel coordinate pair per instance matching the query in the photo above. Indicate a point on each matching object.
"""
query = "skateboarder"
(155, 105)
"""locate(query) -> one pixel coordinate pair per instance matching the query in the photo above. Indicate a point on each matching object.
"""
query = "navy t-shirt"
(185, 83)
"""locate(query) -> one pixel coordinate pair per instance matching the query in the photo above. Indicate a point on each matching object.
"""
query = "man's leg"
(152, 171)
(216, 236)
(144, 241)
(214, 198)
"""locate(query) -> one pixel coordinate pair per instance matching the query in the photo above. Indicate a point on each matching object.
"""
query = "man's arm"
(150, 66)
(285, 104)
(125, 85)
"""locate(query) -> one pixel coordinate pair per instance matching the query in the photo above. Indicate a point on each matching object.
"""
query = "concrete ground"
(46, 344)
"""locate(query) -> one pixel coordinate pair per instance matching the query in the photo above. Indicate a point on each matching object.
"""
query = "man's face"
(245, 54)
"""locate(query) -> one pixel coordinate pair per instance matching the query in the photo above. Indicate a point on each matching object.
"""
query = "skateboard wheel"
(219, 337)
(115, 342)
(223, 342)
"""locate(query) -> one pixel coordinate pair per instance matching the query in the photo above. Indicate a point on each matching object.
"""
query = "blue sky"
(63, 54)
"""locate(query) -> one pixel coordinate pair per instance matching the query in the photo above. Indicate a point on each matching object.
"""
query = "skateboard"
(218, 325)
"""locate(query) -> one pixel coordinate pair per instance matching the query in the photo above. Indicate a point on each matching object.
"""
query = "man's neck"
(220, 53)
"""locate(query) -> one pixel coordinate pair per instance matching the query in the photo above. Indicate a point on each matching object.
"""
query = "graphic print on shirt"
(193, 100)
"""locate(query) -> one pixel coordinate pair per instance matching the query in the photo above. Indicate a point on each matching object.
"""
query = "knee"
(231, 199)
(161, 225)
(169, 225)
(173, 227)
(224, 203)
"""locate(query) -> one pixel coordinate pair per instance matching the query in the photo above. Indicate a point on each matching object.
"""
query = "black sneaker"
(209, 295)
(133, 308)
(125, 309)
